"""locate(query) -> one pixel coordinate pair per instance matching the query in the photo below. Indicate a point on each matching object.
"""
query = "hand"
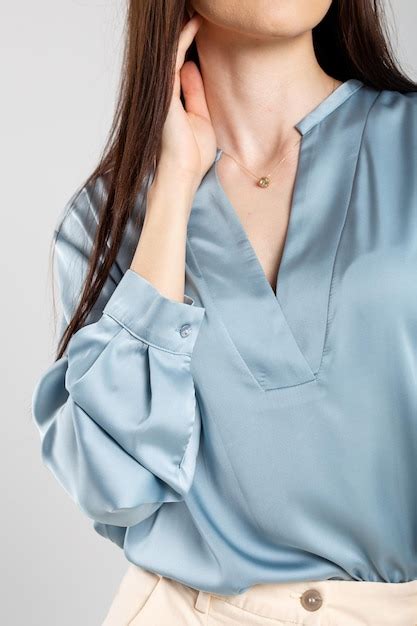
(188, 138)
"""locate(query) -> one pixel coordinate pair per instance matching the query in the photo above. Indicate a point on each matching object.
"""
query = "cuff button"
(185, 330)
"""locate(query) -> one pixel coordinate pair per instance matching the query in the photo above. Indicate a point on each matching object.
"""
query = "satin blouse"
(250, 434)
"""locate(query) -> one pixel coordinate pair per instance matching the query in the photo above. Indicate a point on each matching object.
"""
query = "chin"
(264, 18)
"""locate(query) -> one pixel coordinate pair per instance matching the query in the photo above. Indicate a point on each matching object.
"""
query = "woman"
(234, 398)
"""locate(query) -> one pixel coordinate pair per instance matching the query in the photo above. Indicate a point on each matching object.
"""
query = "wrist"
(170, 173)
(170, 193)
(169, 199)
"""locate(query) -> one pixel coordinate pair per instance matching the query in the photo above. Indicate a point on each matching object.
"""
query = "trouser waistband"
(293, 600)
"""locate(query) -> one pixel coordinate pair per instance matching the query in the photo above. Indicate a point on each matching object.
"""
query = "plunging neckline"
(302, 126)
(241, 230)
(280, 333)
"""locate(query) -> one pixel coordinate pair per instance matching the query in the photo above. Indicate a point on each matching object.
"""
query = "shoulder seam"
(68, 207)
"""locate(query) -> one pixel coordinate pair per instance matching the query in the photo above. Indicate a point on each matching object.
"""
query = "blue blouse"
(250, 434)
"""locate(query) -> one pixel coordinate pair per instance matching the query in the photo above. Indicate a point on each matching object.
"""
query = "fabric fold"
(117, 413)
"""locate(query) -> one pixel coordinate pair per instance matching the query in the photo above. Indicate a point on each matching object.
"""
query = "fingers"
(186, 37)
(193, 90)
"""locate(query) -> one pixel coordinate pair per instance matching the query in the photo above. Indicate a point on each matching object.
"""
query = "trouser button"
(311, 599)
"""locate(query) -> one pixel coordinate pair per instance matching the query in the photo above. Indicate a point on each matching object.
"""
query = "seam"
(68, 208)
(332, 280)
(257, 381)
(232, 469)
(147, 599)
(220, 319)
(308, 166)
(88, 370)
(145, 341)
(72, 203)
(272, 619)
(262, 376)
(187, 444)
(345, 96)
(304, 382)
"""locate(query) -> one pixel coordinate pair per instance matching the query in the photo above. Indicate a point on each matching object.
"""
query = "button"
(185, 330)
(311, 600)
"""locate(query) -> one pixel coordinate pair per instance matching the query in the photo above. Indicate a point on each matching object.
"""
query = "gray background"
(60, 63)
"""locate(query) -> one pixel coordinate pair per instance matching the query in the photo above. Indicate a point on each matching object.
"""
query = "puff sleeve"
(117, 413)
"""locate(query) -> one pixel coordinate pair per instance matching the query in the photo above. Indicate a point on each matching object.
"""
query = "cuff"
(155, 319)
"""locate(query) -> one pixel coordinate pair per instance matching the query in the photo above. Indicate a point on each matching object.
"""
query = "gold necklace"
(264, 181)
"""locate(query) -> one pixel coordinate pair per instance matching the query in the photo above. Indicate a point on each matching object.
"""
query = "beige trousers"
(147, 599)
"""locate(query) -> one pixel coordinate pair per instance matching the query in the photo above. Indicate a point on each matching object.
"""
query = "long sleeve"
(117, 413)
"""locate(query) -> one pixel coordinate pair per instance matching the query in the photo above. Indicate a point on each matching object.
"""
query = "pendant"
(263, 182)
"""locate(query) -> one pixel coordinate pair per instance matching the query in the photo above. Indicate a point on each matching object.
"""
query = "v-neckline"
(281, 336)
(310, 119)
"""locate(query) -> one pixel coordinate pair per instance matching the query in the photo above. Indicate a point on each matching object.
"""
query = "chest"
(262, 212)
(276, 277)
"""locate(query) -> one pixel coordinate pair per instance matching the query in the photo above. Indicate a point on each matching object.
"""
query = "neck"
(257, 90)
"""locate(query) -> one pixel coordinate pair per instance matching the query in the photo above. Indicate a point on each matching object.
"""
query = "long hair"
(350, 42)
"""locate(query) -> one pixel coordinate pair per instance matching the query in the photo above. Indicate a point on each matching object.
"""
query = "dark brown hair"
(350, 42)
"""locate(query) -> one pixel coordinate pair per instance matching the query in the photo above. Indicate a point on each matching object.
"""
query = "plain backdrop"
(59, 74)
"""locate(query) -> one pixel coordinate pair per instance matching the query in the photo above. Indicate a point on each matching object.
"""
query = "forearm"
(160, 253)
